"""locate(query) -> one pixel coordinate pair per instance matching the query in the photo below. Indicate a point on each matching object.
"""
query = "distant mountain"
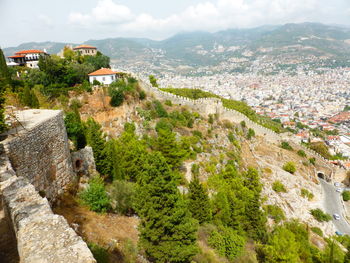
(289, 43)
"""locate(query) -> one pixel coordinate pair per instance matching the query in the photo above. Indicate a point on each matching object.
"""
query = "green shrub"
(96, 82)
(289, 167)
(243, 124)
(117, 97)
(99, 253)
(226, 242)
(286, 146)
(142, 95)
(301, 153)
(278, 187)
(346, 195)
(163, 124)
(122, 193)
(227, 124)
(317, 231)
(320, 216)
(312, 160)
(210, 118)
(161, 112)
(231, 137)
(251, 133)
(306, 194)
(168, 103)
(197, 133)
(95, 195)
(275, 212)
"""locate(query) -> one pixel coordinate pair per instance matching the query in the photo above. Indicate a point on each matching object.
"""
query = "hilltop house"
(28, 58)
(104, 76)
(86, 50)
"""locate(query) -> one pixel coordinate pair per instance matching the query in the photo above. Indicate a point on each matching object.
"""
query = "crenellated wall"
(207, 106)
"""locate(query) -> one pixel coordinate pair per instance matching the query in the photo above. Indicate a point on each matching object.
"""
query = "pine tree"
(166, 143)
(96, 139)
(29, 98)
(167, 231)
(347, 255)
(199, 204)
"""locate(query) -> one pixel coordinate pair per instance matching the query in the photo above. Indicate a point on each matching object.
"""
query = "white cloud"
(209, 15)
(106, 12)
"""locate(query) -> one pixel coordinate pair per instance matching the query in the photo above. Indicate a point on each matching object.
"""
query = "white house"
(86, 50)
(28, 58)
(104, 76)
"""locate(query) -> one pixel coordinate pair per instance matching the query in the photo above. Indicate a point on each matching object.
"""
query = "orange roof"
(16, 56)
(102, 71)
(84, 46)
(29, 51)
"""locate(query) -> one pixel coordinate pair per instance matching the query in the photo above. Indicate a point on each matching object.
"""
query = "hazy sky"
(80, 20)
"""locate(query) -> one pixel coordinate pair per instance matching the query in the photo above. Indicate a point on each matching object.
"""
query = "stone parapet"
(41, 235)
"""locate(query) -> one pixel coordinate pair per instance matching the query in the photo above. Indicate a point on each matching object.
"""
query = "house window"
(112, 77)
(103, 78)
(94, 78)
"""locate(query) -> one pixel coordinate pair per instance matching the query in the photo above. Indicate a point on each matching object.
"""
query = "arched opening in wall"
(78, 164)
(321, 175)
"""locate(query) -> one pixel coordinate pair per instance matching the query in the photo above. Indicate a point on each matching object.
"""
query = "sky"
(75, 21)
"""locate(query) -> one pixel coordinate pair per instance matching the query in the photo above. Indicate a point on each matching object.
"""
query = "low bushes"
(278, 187)
(275, 212)
(317, 231)
(320, 216)
(289, 167)
(306, 194)
(301, 153)
(286, 146)
(346, 195)
(95, 196)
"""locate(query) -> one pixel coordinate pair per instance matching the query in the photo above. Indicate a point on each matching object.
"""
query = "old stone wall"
(41, 235)
(39, 151)
(207, 106)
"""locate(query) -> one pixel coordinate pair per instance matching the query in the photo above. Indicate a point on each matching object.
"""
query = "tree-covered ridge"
(239, 106)
(225, 210)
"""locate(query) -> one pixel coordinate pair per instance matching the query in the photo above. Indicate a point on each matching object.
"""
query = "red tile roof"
(29, 51)
(103, 71)
(84, 46)
(17, 56)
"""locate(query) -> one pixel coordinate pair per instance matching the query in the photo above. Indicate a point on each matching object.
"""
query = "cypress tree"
(5, 79)
(96, 139)
(199, 204)
(167, 231)
(255, 217)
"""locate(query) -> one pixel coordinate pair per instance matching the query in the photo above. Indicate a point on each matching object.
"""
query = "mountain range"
(288, 44)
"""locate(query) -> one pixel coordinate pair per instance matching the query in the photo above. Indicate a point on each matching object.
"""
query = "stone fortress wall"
(207, 106)
(40, 151)
(35, 168)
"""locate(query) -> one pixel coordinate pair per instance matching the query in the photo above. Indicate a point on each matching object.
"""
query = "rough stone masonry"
(35, 161)
(39, 151)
